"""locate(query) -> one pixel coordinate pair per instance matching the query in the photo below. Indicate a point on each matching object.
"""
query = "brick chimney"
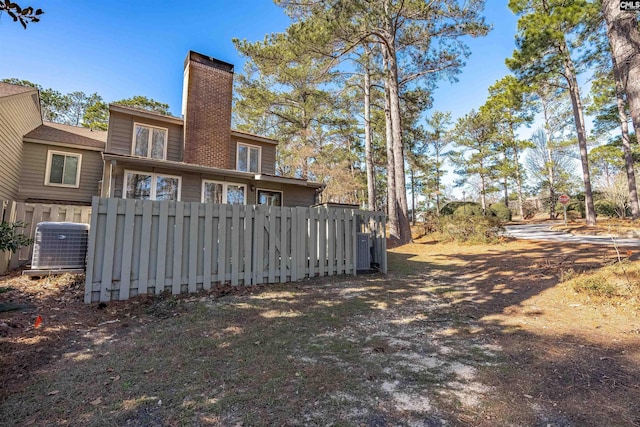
(206, 110)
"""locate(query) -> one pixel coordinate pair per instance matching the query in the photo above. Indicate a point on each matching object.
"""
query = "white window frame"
(149, 140)
(47, 173)
(154, 176)
(258, 190)
(224, 189)
(239, 144)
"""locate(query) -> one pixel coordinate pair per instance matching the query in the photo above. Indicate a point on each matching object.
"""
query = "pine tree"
(544, 50)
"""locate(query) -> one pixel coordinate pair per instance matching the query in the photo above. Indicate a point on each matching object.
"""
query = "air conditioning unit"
(60, 245)
(363, 253)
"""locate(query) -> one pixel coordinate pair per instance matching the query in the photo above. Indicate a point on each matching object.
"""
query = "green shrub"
(571, 215)
(529, 210)
(605, 208)
(501, 211)
(468, 210)
(451, 207)
(10, 238)
(595, 285)
(470, 229)
(573, 206)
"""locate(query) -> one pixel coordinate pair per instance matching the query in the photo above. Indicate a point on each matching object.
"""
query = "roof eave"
(62, 144)
(146, 114)
(253, 137)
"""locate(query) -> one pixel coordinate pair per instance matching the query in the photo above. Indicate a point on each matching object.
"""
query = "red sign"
(564, 199)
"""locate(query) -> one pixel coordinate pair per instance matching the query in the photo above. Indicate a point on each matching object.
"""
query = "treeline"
(347, 86)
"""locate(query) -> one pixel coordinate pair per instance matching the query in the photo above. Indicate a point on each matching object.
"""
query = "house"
(197, 158)
(45, 162)
(145, 155)
(19, 114)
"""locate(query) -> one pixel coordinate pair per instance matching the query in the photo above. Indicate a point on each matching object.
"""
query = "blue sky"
(121, 49)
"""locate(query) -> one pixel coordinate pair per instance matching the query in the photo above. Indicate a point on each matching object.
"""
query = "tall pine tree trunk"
(413, 197)
(549, 162)
(437, 182)
(624, 38)
(483, 192)
(505, 183)
(404, 227)
(626, 146)
(392, 211)
(368, 146)
(578, 116)
(518, 183)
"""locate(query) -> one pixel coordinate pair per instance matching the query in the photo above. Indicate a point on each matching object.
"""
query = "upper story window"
(248, 158)
(149, 141)
(63, 169)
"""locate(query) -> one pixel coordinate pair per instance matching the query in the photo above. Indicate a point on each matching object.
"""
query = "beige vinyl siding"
(120, 136)
(268, 154)
(34, 164)
(292, 195)
(19, 115)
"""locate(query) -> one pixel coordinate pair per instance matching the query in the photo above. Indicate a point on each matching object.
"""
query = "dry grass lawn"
(486, 335)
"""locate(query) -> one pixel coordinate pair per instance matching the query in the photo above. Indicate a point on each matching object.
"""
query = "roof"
(66, 134)
(145, 113)
(7, 89)
(190, 167)
(254, 137)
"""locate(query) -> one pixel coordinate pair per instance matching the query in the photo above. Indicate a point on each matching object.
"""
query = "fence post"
(354, 243)
(109, 248)
(127, 249)
(248, 241)
(272, 244)
(178, 230)
(91, 250)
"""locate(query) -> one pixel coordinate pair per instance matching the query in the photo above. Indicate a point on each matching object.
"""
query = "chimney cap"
(208, 60)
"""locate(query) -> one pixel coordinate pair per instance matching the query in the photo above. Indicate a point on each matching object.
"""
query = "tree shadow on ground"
(453, 337)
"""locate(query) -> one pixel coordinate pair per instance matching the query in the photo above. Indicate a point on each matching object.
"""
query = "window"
(151, 186)
(223, 192)
(271, 198)
(248, 158)
(63, 169)
(149, 141)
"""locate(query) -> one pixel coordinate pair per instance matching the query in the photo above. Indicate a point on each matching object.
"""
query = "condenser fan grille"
(60, 245)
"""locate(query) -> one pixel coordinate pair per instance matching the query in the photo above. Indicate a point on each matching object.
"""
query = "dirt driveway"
(453, 335)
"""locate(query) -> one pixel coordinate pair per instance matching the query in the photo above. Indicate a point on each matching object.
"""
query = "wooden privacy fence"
(32, 214)
(147, 247)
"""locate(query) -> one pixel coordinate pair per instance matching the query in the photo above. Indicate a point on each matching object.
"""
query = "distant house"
(145, 155)
(45, 162)
(19, 115)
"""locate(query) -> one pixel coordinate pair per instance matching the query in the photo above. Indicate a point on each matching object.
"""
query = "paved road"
(544, 232)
